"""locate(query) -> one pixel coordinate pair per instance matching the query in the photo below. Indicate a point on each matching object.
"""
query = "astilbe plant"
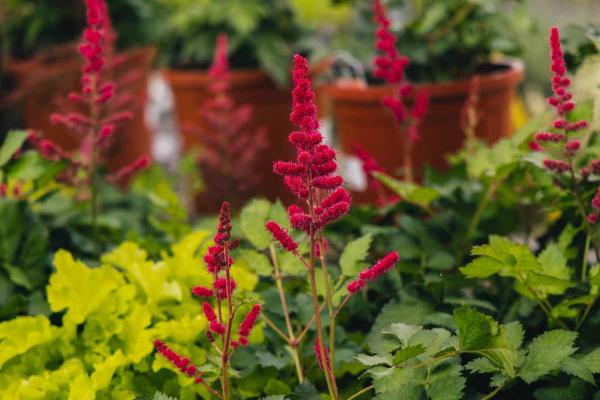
(322, 200)
(563, 143)
(102, 112)
(230, 150)
(390, 66)
(220, 332)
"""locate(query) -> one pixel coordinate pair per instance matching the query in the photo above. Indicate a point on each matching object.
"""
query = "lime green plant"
(101, 345)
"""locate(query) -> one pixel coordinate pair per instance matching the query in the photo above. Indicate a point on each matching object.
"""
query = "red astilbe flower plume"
(558, 143)
(381, 267)
(95, 113)
(218, 304)
(390, 66)
(182, 363)
(311, 177)
(230, 149)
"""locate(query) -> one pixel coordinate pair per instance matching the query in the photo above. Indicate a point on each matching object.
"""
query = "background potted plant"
(262, 38)
(39, 46)
(448, 43)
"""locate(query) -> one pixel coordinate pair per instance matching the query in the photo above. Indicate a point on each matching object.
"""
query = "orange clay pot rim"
(194, 79)
(488, 82)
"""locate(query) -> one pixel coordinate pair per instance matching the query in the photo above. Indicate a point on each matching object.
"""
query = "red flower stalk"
(596, 200)
(125, 173)
(281, 236)
(558, 144)
(370, 274)
(231, 150)
(390, 66)
(319, 358)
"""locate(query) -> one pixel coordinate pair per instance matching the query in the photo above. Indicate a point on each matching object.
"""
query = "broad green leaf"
(592, 361)
(256, 261)
(79, 289)
(14, 141)
(162, 396)
(410, 192)
(277, 387)
(396, 379)
(546, 353)
(577, 368)
(252, 223)
(104, 371)
(353, 253)
(402, 331)
(474, 328)
(446, 383)
(18, 277)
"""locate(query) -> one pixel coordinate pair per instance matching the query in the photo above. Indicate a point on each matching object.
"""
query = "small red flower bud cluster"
(390, 66)
(281, 236)
(231, 150)
(311, 177)
(370, 274)
(558, 144)
(182, 363)
(593, 217)
(320, 358)
(247, 324)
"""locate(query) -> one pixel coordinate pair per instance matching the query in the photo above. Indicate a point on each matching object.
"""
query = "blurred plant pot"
(271, 108)
(361, 119)
(43, 83)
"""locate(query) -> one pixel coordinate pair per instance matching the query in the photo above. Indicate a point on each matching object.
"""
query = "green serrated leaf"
(410, 192)
(481, 365)
(592, 361)
(447, 383)
(546, 353)
(365, 359)
(408, 353)
(353, 253)
(474, 328)
(577, 368)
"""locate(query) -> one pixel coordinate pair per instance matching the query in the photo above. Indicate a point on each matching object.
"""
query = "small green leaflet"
(353, 253)
(410, 192)
(546, 353)
(14, 141)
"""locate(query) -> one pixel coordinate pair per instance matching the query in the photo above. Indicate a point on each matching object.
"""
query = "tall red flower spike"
(97, 110)
(311, 176)
(390, 66)
(558, 143)
(220, 325)
(230, 150)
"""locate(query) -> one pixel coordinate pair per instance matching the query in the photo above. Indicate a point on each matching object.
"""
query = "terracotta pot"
(271, 109)
(361, 119)
(56, 76)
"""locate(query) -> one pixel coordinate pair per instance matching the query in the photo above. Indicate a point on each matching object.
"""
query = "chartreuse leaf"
(21, 334)
(546, 353)
(413, 193)
(577, 368)
(153, 278)
(370, 361)
(353, 253)
(14, 141)
(104, 370)
(79, 289)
